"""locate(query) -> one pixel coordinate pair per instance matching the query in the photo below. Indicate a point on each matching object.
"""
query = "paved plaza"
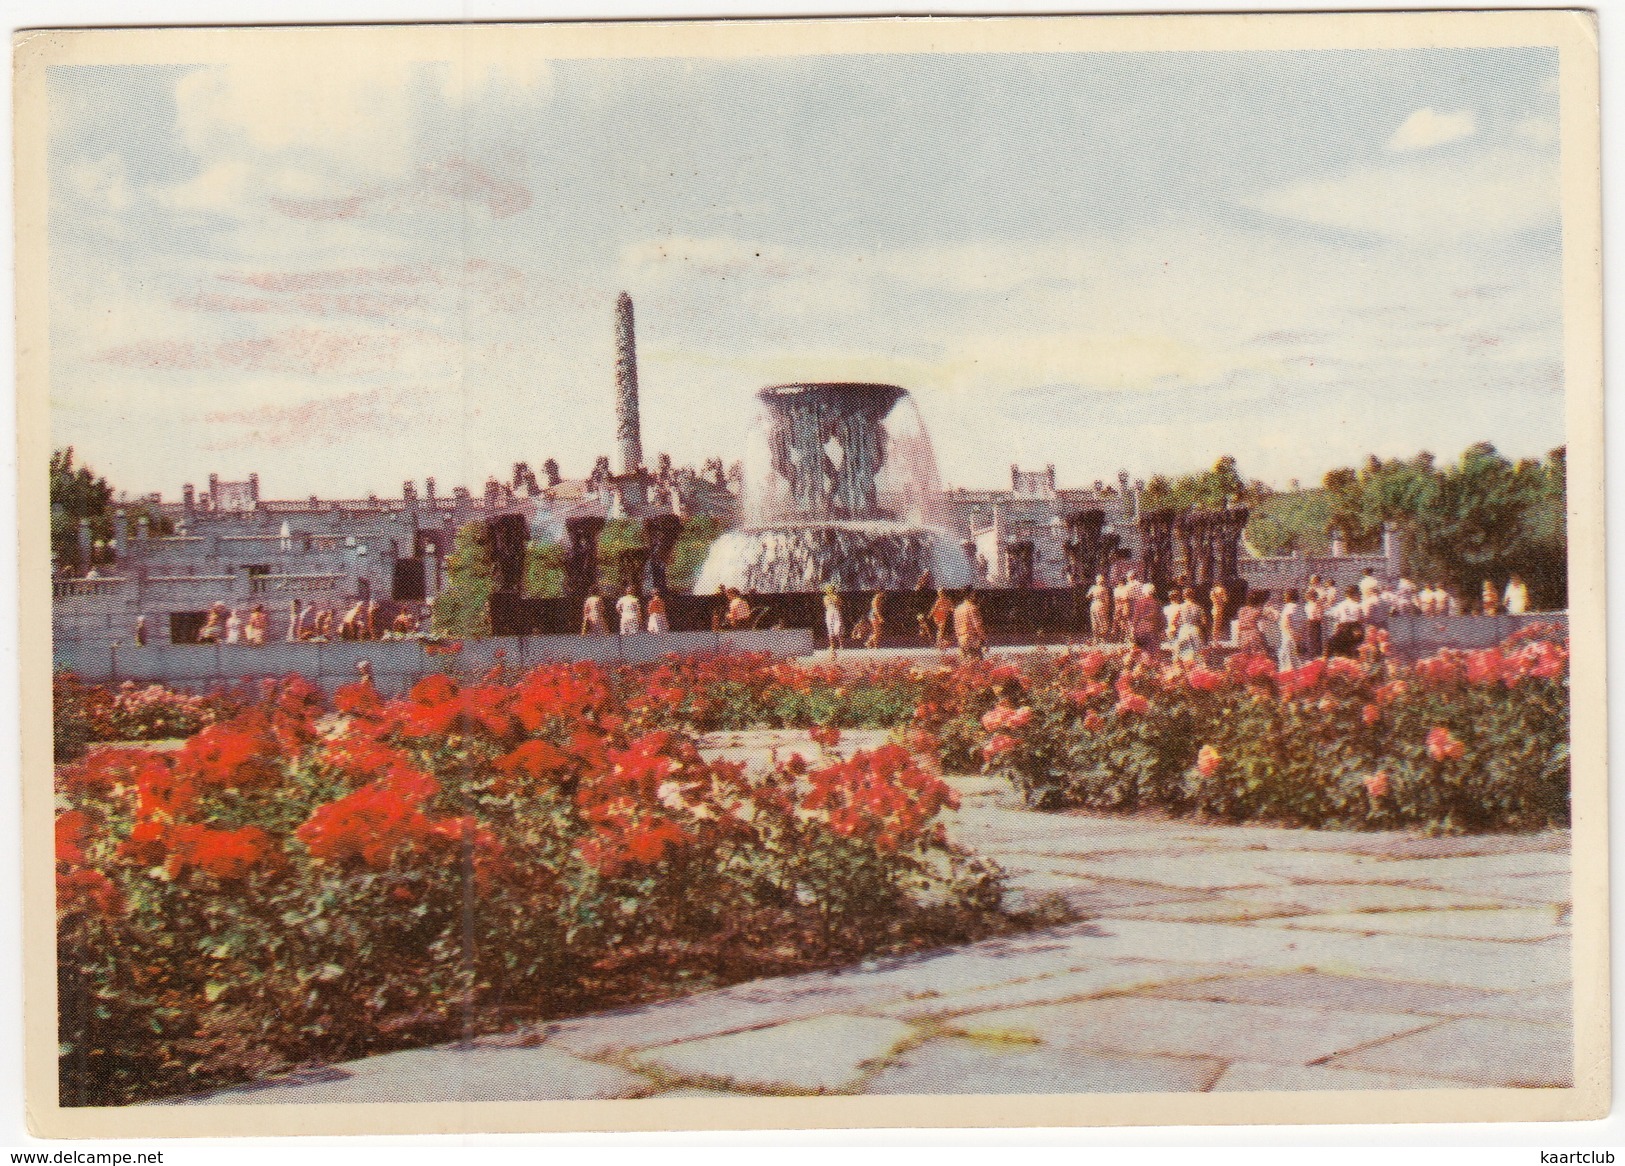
(1204, 958)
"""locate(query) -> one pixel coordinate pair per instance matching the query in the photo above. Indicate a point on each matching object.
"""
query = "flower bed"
(83, 713)
(1462, 741)
(295, 886)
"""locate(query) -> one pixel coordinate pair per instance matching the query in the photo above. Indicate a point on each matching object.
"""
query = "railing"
(81, 586)
(266, 584)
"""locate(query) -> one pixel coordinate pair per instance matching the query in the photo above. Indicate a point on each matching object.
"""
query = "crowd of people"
(1293, 624)
(306, 624)
(632, 616)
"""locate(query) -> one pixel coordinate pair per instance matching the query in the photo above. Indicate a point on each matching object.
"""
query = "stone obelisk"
(628, 429)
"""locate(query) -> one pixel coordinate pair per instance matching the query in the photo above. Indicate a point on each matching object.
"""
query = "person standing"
(1249, 618)
(1491, 599)
(1314, 615)
(942, 616)
(1100, 609)
(1188, 628)
(1348, 626)
(1146, 619)
(1291, 624)
(592, 616)
(659, 624)
(877, 619)
(968, 628)
(739, 612)
(630, 611)
(141, 631)
(1517, 596)
(1218, 598)
(234, 627)
(258, 625)
(834, 620)
(296, 621)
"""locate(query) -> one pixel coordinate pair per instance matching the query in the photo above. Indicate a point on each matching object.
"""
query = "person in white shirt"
(1187, 628)
(234, 628)
(1370, 586)
(631, 613)
(592, 616)
(1517, 596)
(1291, 624)
(1348, 625)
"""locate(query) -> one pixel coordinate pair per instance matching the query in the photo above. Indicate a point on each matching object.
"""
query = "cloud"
(1426, 128)
(1494, 193)
(305, 351)
(1540, 130)
(353, 106)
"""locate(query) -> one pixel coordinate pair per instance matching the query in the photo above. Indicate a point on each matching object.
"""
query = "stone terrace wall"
(396, 664)
(1411, 637)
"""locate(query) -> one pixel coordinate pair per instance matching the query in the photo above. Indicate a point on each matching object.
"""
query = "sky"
(347, 274)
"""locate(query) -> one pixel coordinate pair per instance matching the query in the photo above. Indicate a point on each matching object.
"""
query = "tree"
(463, 606)
(79, 492)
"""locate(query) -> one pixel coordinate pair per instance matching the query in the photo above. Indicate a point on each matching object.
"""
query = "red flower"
(87, 890)
(1376, 785)
(146, 845)
(1370, 714)
(235, 754)
(1207, 761)
(71, 828)
(358, 699)
(1093, 722)
(1203, 679)
(1442, 746)
(825, 736)
(225, 854)
(535, 760)
(1132, 704)
(997, 745)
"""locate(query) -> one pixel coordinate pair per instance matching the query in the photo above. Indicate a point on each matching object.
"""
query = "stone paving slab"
(1554, 1006)
(710, 1014)
(1221, 909)
(1342, 993)
(822, 1055)
(1507, 924)
(1115, 977)
(1253, 1077)
(1488, 868)
(1453, 962)
(957, 1065)
(1505, 1053)
(1220, 870)
(1144, 1025)
(448, 1074)
(1330, 899)
(1557, 889)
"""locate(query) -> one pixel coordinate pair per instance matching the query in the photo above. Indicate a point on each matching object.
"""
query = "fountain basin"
(852, 555)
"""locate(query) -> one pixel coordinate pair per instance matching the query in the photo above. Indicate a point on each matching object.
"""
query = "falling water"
(839, 481)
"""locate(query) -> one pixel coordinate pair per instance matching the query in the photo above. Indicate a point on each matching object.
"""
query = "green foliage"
(544, 569)
(79, 492)
(544, 562)
(462, 607)
(1292, 521)
(1481, 517)
(693, 544)
(1208, 490)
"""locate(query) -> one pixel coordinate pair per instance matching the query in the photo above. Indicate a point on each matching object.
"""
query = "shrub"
(294, 886)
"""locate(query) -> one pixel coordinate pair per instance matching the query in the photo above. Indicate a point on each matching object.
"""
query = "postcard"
(986, 571)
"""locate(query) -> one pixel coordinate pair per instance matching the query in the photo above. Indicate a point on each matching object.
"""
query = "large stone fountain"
(839, 479)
